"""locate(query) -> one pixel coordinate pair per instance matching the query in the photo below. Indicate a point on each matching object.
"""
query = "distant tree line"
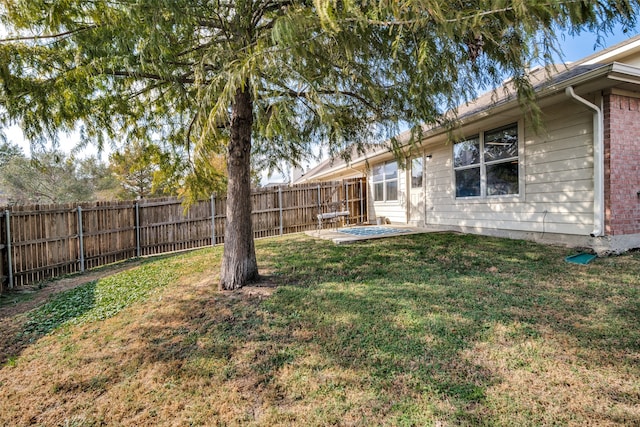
(52, 177)
(137, 171)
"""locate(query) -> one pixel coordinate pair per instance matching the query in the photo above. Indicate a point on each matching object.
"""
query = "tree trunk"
(239, 265)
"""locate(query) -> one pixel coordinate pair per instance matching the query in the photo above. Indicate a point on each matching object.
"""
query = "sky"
(573, 48)
(585, 44)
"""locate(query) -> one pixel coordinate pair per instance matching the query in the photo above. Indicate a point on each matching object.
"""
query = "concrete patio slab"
(344, 235)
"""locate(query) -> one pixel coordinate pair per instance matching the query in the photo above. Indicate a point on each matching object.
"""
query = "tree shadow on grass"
(304, 350)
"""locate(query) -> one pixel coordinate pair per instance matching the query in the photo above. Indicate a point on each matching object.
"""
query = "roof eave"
(596, 79)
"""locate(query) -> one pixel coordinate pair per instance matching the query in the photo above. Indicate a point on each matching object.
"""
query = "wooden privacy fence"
(40, 242)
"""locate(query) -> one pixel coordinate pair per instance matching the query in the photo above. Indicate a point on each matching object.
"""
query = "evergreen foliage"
(9, 151)
(145, 170)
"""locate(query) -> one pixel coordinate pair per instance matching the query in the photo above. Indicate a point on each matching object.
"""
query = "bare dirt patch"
(264, 287)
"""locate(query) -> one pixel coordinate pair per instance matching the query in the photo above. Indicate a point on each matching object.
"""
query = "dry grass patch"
(442, 330)
(545, 381)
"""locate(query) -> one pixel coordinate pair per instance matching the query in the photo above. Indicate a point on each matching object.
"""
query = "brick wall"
(622, 164)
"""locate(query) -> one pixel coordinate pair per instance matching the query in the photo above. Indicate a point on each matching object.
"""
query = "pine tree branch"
(422, 20)
(49, 36)
(307, 95)
(184, 79)
(266, 7)
(196, 48)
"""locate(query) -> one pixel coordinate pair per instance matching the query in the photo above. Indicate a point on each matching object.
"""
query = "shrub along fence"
(39, 242)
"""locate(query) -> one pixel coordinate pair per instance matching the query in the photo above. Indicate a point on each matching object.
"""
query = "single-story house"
(574, 179)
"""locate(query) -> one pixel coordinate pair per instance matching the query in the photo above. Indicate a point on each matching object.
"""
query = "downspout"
(598, 162)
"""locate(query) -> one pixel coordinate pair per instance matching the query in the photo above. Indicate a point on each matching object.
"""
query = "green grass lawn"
(432, 329)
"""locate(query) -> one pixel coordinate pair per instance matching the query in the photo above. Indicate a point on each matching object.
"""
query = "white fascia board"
(610, 55)
(624, 73)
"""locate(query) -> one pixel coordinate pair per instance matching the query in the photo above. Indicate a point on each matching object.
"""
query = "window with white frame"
(487, 164)
(417, 169)
(385, 181)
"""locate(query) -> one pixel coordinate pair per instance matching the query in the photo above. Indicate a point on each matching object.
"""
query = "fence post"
(213, 220)
(319, 209)
(360, 184)
(81, 239)
(280, 205)
(7, 220)
(2, 263)
(138, 251)
(346, 192)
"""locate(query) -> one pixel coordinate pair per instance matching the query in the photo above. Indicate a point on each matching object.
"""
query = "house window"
(466, 162)
(417, 168)
(385, 182)
(487, 164)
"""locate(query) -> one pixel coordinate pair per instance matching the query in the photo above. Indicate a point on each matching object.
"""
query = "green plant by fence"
(40, 242)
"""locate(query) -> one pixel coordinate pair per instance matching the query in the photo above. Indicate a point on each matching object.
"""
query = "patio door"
(417, 190)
